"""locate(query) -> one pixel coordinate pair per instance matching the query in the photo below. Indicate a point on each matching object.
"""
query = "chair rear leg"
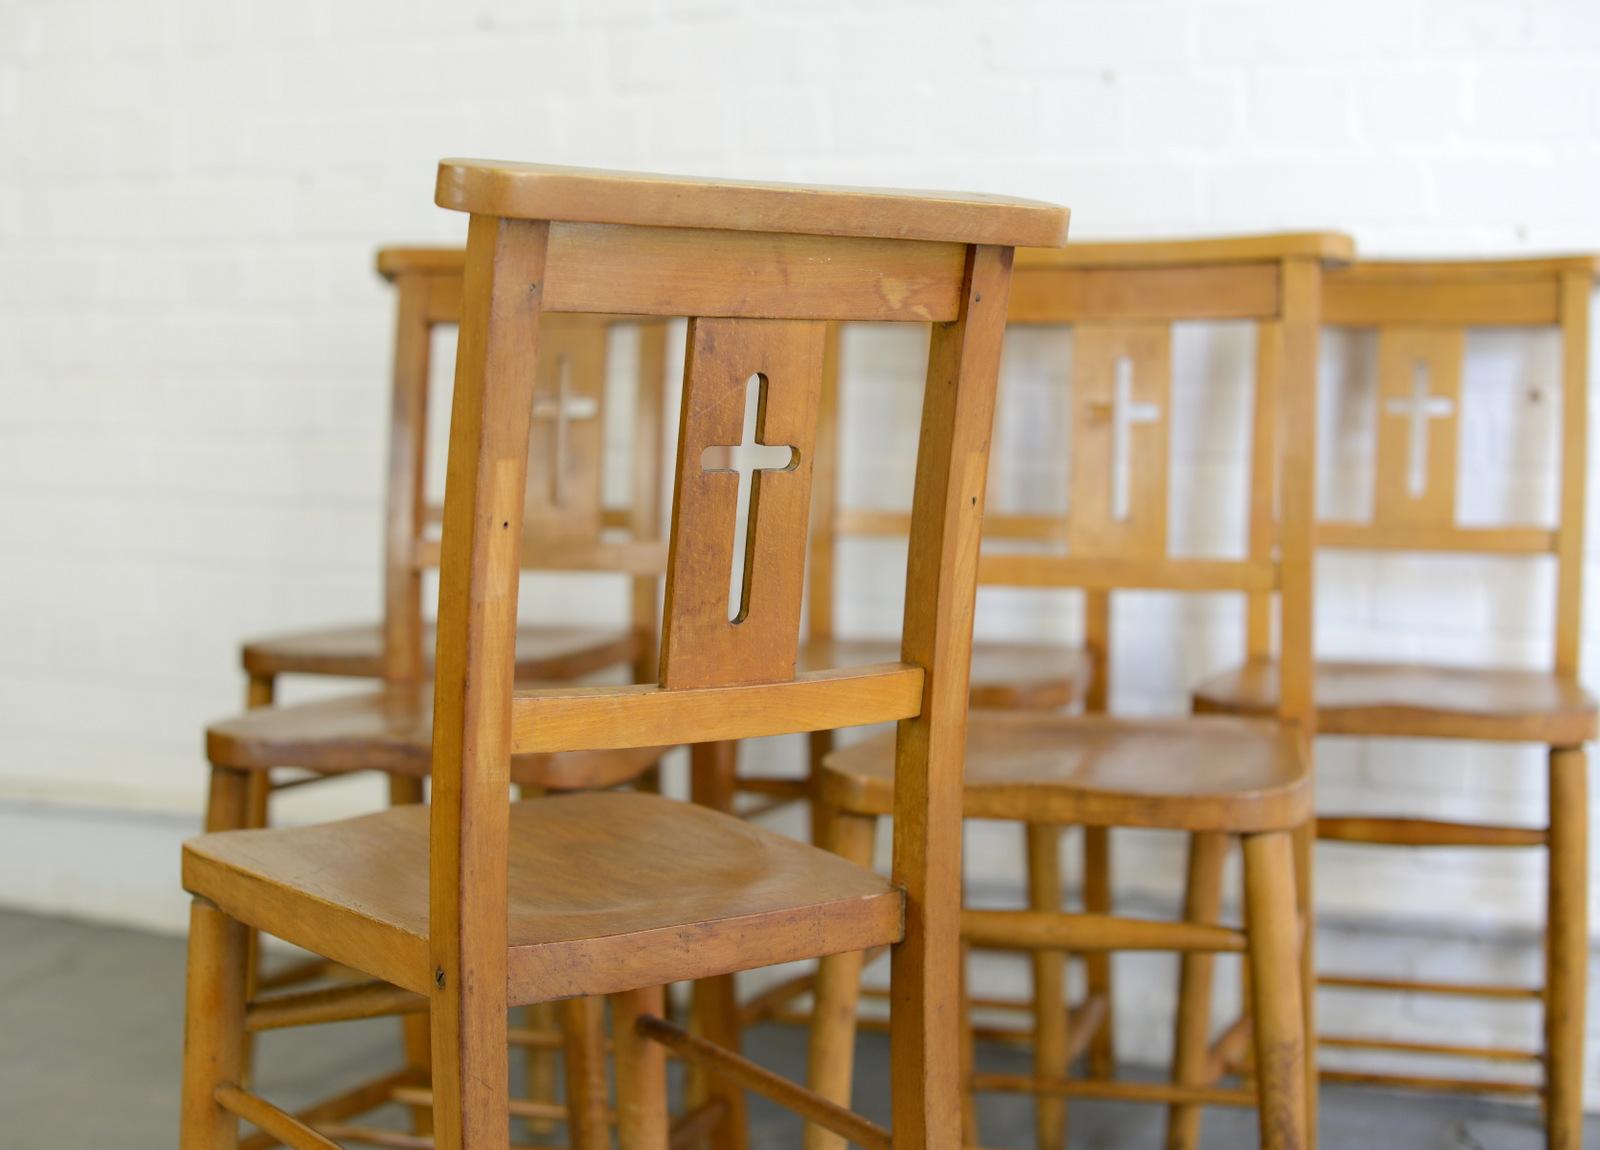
(831, 1059)
(1566, 947)
(213, 1045)
(641, 1068)
(1049, 987)
(1272, 928)
(1202, 904)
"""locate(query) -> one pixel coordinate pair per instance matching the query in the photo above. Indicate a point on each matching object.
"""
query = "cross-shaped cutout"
(1124, 414)
(748, 458)
(1420, 407)
(561, 407)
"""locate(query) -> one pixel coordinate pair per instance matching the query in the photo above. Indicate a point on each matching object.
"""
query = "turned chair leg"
(1202, 904)
(641, 1069)
(1305, 847)
(1049, 987)
(583, 1030)
(1566, 947)
(416, 1038)
(213, 1044)
(1272, 928)
(831, 1058)
(1097, 965)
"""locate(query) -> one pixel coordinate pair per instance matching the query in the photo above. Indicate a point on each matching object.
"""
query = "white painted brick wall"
(193, 346)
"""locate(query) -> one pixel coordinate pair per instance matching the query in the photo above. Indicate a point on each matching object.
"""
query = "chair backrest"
(1422, 312)
(1121, 300)
(566, 523)
(758, 269)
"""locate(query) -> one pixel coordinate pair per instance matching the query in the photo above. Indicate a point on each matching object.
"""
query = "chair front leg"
(1272, 928)
(1566, 947)
(213, 1046)
(1202, 904)
(1049, 987)
(641, 1068)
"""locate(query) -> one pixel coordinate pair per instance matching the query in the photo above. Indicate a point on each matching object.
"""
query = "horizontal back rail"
(751, 275)
(1059, 295)
(617, 718)
(1113, 574)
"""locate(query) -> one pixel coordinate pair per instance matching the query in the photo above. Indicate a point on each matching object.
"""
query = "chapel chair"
(475, 904)
(1423, 313)
(1209, 778)
(387, 728)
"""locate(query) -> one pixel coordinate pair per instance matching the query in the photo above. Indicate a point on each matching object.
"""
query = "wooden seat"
(1234, 775)
(1413, 700)
(1005, 676)
(391, 730)
(604, 889)
(356, 651)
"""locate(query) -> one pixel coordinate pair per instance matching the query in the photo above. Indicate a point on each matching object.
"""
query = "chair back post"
(491, 414)
(1576, 292)
(941, 589)
(405, 498)
(1298, 337)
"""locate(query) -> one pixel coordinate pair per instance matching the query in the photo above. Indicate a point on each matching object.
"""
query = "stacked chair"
(388, 728)
(1208, 777)
(475, 904)
(1422, 313)
(592, 892)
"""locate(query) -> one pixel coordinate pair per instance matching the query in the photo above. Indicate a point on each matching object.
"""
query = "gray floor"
(89, 1057)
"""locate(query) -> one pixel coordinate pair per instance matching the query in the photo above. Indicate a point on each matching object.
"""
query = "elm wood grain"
(567, 194)
(603, 889)
(1005, 675)
(391, 730)
(1177, 774)
(356, 651)
(1419, 701)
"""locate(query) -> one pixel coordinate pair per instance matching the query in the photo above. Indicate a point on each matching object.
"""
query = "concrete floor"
(90, 1022)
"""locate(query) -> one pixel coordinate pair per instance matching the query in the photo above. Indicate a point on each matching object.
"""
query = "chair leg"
(968, 1054)
(583, 1028)
(415, 1035)
(831, 1059)
(259, 691)
(213, 1044)
(1566, 947)
(716, 1007)
(1305, 848)
(1202, 904)
(1097, 966)
(540, 1063)
(818, 746)
(1272, 928)
(1049, 987)
(641, 1067)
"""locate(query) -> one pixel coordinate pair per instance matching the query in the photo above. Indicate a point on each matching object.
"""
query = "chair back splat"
(756, 268)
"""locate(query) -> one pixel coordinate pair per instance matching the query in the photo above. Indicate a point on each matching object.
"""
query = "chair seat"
(1415, 700)
(608, 892)
(391, 730)
(1005, 676)
(1195, 774)
(356, 651)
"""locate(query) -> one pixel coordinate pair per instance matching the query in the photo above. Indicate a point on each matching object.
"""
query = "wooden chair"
(474, 904)
(427, 285)
(1422, 312)
(1210, 778)
(566, 527)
